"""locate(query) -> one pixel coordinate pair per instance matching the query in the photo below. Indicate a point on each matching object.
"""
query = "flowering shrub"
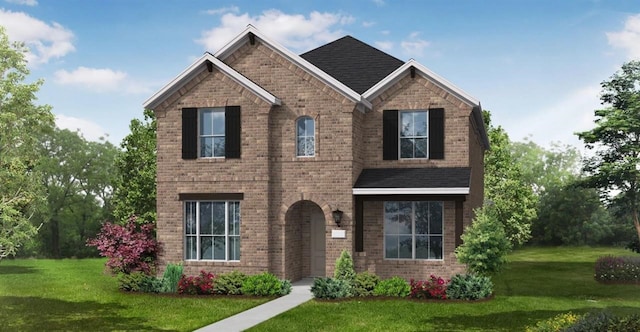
(434, 288)
(611, 268)
(130, 248)
(197, 285)
(557, 323)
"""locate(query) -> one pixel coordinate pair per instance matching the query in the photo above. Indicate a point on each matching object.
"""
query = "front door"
(318, 229)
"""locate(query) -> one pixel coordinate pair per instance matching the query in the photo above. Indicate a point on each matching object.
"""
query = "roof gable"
(352, 62)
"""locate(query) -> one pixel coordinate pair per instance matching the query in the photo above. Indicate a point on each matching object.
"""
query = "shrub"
(611, 268)
(604, 321)
(395, 286)
(344, 267)
(434, 288)
(485, 244)
(634, 246)
(171, 277)
(263, 284)
(286, 287)
(557, 323)
(330, 288)
(469, 287)
(230, 283)
(130, 248)
(197, 285)
(364, 284)
(139, 282)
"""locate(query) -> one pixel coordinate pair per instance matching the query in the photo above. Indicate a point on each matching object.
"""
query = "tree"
(135, 186)
(615, 168)
(505, 188)
(22, 123)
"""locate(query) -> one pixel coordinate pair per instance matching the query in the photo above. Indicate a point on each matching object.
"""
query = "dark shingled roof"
(443, 177)
(352, 62)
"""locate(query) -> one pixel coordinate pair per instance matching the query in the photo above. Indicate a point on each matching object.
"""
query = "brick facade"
(282, 191)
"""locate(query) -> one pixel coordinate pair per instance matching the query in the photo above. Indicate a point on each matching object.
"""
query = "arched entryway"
(305, 241)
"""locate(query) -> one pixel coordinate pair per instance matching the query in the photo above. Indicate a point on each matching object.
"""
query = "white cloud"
(378, 3)
(413, 46)
(92, 78)
(45, 41)
(368, 24)
(30, 3)
(628, 38)
(384, 45)
(223, 10)
(89, 130)
(296, 32)
(559, 121)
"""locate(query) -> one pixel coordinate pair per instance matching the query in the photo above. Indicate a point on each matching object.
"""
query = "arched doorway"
(305, 241)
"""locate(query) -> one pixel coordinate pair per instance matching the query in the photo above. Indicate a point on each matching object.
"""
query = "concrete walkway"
(300, 293)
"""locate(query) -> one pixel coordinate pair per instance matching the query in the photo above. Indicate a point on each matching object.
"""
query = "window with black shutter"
(211, 132)
(413, 134)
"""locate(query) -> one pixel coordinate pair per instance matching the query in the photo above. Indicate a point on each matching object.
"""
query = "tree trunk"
(636, 223)
(55, 238)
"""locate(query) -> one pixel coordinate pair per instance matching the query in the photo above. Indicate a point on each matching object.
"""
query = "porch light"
(337, 216)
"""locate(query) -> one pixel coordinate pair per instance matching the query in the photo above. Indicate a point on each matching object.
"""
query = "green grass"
(39, 295)
(538, 283)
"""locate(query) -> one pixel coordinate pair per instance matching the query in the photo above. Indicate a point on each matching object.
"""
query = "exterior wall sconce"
(337, 216)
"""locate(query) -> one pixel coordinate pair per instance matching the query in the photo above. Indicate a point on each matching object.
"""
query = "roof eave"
(411, 191)
(425, 72)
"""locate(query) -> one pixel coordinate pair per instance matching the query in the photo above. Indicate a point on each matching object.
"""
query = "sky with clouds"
(536, 64)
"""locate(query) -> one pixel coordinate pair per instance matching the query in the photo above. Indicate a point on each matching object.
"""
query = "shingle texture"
(443, 177)
(353, 63)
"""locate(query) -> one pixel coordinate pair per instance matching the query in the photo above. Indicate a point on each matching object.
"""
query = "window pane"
(435, 217)
(218, 123)
(206, 124)
(205, 247)
(391, 246)
(190, 250)
(420, 123)
(406, 148)
(309, 146)
(206, 218)
(234, 218)
(406, 128)
(405, 216)
(405, 246)
(435, 247)
(422, 217)
(206, 146)
(219, 248)
(309, 127)
(234, 248)
(301, 128)
(422, 247)
(218, 146)
(190, 218)
(421, 148)
(217, 217)
(391, 217)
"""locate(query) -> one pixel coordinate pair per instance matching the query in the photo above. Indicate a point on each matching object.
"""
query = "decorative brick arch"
(290, 200)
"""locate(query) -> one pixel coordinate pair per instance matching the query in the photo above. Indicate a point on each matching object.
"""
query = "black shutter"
(436, 133)
(390, 135)
(189, 133)
(232, 131)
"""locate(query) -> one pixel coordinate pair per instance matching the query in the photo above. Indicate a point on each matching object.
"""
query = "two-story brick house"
(261, 151)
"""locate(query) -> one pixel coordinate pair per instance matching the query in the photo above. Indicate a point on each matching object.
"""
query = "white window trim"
(314, 136)
(413, 236)
(197, 235)
(400, 135)
(200, 136)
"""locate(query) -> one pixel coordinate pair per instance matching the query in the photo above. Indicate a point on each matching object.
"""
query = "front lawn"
(63, 295)
(538, 283)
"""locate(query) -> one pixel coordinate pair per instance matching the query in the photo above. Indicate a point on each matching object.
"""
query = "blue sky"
(536, 65)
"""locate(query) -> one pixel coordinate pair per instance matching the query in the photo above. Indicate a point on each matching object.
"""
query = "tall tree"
(135, 186)
(22, 123)
(509, 195)
(615, 168)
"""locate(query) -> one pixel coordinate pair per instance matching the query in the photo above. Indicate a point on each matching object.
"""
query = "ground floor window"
(212, 230)
(413, 230)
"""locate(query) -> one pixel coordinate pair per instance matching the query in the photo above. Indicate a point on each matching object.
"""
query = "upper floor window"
(306, 137)
(212, 133)
(413, 134)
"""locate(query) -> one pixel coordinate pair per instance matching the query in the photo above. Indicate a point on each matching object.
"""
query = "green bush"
(395, 286)
(555, 324)
(469, 287)
(364, 284)
(263, 284)
(485, 245)
(330, 288)
(612, 268)
(171, 277)
(286, 287)
(229, 283)
(604, 321)
(139, 282)
(344, 267)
